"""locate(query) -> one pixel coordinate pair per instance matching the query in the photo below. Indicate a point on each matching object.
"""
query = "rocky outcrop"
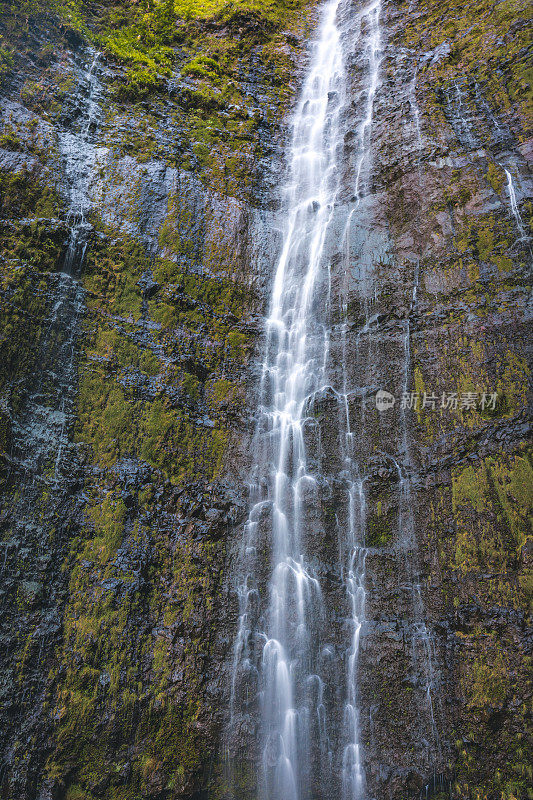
(129, 378)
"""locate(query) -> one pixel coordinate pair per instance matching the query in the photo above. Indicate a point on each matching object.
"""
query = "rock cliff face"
(142, 151)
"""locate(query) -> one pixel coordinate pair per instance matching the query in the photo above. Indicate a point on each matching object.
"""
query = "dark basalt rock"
(128, 392)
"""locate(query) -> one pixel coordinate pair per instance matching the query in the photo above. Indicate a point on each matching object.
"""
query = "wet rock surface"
(137, 257)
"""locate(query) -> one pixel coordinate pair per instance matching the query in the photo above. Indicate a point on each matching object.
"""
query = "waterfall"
(284, 653)
(295, 709)
(354, 570)
(78, 153)
(293, 371)
(514, 205)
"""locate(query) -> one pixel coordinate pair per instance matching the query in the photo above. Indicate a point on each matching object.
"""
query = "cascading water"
(354, 570)
(294, 369)
(41, 497)
(514, 205)
(282, 652)
(304, 557)
(78, 152)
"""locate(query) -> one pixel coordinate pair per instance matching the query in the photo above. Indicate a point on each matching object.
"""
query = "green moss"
(202, 67)
(492, 761)
(23, 311)
(34, 242)
(159, 730)
(498, 491)
(76, 792)
(113, 268)
(108, 518)
(191, 385)
(20, 15)
(495, 177)
(138, 84)
(10, 141)
(379, 529)
(6, 61)
(178, 234)
(106, 418)
(237, 344)
(129, 702)
(143, 35)
(22, 195)
(478, 49)
(158, 428)
(485, 242)
(420, 391)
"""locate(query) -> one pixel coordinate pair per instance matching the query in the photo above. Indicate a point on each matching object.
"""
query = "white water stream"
(281, 650)
(514, 205)
(79, 156)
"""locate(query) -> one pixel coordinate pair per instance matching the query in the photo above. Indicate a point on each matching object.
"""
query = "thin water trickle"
(370, 18)
(44, 422)
(78, 152)
(353, 779)
(513, 203)
(415, 111)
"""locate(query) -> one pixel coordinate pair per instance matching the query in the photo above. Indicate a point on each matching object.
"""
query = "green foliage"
(140, 36)
(19, 15)
(140, 82)
(484, 37)
(23, 195)
(6, 60)
(486, 681)
(145, 35)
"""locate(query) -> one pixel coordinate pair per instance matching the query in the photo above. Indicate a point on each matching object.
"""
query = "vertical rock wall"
(127, 392)
(439, 306)
(124, 383)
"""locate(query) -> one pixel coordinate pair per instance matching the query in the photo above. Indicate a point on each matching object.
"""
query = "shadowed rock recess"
(229, 568)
